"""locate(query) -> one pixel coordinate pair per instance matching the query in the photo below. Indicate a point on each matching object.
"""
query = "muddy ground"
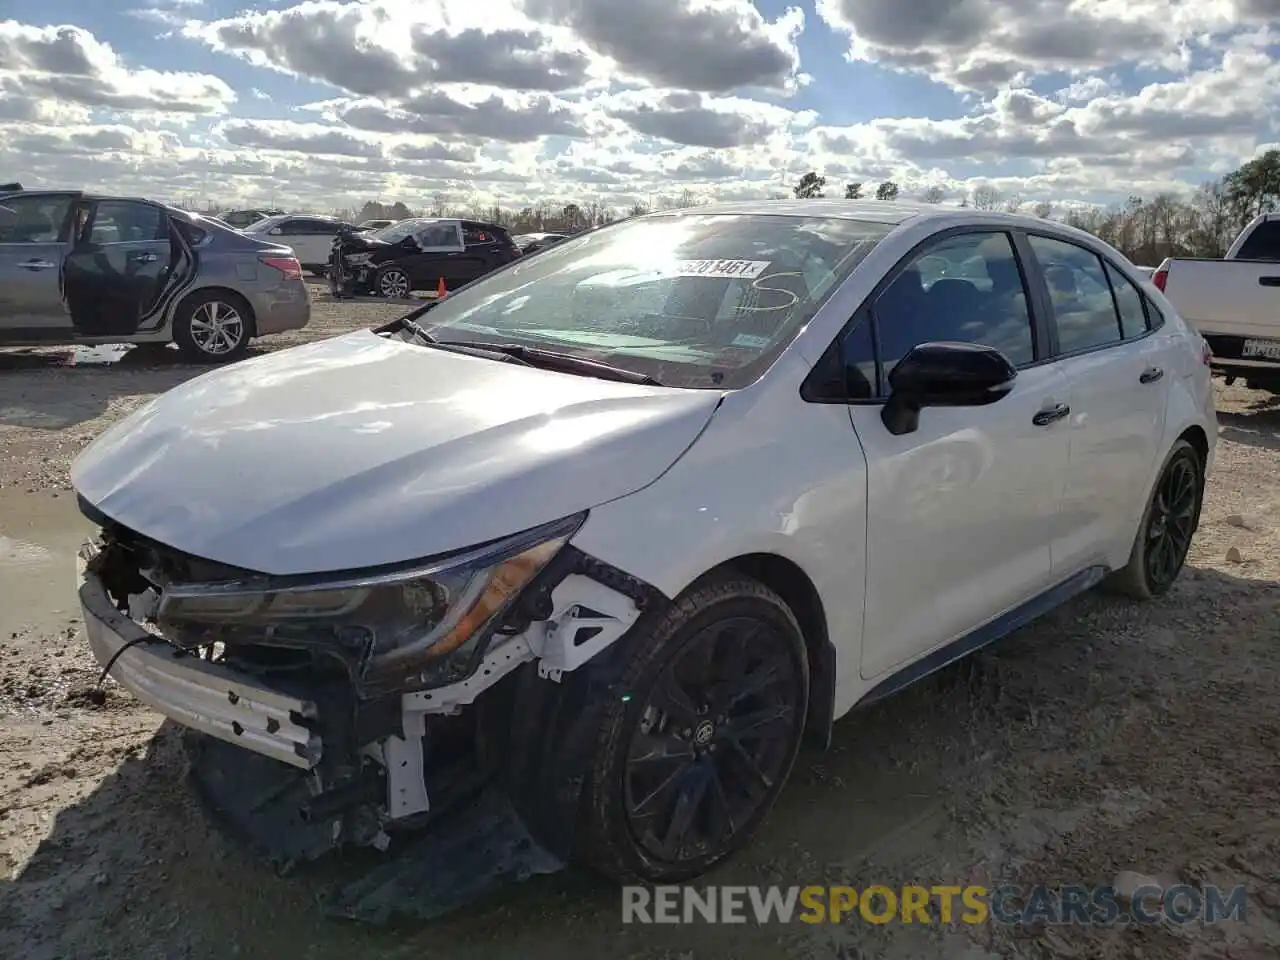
(1110, 736)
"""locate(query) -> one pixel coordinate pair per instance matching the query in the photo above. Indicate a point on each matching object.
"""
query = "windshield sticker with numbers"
(730, 269)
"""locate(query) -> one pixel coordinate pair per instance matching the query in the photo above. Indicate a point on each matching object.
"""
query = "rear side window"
(1263, 243)
(1133, 319)
(475, 235)
(127, 221)
(1083, 308)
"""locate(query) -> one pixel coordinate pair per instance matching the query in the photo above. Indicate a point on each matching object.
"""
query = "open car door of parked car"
(124, 261)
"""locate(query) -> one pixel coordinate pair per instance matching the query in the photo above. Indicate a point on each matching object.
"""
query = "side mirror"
(274, 231)
(944, 374)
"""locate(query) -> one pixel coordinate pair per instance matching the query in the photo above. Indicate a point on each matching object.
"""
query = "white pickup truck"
(1234, 303)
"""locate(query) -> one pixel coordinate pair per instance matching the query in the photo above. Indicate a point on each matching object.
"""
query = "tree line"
(1145, 229)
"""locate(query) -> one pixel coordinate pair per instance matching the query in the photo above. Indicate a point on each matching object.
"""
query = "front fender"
(754, 483)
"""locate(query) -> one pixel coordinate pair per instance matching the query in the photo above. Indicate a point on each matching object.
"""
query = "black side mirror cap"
(945, 374)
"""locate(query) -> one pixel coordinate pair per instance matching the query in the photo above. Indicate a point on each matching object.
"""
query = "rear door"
(120, 261)
(485, 249)
(34, 240)
(1119, 371)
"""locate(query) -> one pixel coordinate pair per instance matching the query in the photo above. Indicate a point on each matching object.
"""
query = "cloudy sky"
(328, 103)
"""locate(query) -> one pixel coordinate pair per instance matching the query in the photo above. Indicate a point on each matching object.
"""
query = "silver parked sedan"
(76, 268)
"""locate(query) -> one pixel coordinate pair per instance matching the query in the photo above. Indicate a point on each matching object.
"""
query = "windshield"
(693, 300)
(398, 231)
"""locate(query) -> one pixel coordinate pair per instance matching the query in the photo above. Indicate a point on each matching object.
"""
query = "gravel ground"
(1108, 737)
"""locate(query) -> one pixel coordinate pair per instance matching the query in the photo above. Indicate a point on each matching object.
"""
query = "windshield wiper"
(552, 360)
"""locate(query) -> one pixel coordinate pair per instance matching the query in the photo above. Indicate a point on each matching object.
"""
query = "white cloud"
(595, 100)
(69, 65)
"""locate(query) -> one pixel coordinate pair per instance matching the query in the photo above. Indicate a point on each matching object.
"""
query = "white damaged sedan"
(605, 532)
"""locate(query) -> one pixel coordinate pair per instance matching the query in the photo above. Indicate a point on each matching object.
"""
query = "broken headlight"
(357, 259)
(417, 626)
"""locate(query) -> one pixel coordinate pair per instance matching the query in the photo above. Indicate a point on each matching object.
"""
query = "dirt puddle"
(39, 536)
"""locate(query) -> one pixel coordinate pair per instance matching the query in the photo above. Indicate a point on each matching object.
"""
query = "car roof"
(876, 211)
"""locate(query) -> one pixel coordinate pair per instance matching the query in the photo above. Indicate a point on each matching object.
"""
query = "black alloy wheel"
(713, 741)
(1163, 540)
(1172, 522)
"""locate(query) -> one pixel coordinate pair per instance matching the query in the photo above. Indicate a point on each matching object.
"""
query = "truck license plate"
(1267, 349)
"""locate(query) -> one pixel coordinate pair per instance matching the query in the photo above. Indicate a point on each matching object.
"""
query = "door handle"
(1269, 281)
(143, 258)
(1151, 375)
(38, 265)
(1051, 415)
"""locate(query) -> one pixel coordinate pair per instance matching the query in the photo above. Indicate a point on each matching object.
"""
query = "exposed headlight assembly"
(418, 626)
(358, 259)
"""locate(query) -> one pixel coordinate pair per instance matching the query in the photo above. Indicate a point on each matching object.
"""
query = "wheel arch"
(240, 299)
(789, 581)
(1199, 440)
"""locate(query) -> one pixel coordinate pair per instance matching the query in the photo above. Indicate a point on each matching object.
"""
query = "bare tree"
(986, 197)
(933, 195)
(1043, 210)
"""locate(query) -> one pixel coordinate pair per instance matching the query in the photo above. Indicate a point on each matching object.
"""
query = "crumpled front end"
(359, 709)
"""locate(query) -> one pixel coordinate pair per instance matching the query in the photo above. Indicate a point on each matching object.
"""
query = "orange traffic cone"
(441, 292)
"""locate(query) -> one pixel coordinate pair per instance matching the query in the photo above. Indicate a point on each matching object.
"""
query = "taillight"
(289, 266)
(1160, 278)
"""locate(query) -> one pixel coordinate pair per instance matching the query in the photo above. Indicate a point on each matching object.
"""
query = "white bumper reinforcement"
(194, 692)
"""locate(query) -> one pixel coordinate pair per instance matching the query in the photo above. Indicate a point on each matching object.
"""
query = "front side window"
(967, 287)
(28, 219)
(694, 300)
(1083, 308)
(439, 235)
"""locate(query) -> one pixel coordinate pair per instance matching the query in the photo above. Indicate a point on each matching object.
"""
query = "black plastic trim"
(997, 629)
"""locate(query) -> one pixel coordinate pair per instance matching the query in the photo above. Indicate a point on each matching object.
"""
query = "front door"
(961, 512)
(440, 252)
(118, 267)
(1120, 375)
(34, 232)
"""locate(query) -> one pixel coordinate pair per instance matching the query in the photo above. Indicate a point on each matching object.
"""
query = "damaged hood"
(360, 451)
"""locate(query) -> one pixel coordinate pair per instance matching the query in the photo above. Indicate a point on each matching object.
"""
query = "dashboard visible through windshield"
(691, 300)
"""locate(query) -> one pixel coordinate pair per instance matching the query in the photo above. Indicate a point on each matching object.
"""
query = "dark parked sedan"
(417, 254)
(531, 243)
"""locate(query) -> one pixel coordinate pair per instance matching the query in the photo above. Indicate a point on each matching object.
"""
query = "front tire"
(392, 283)
(213, 326)
(690, 760)
(1164, 537)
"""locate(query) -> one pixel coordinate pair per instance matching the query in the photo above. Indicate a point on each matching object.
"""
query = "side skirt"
(997, 629)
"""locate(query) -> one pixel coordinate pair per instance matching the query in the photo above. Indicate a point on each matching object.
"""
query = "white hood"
(360, 451)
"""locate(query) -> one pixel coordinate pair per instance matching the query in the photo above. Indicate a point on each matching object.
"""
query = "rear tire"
(213, 326)
(689, 762)
(1168, 525)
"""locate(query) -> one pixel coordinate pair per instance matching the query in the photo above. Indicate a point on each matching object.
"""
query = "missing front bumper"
(195, 693)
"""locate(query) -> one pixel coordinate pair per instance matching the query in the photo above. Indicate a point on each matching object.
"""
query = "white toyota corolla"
(610, 529)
